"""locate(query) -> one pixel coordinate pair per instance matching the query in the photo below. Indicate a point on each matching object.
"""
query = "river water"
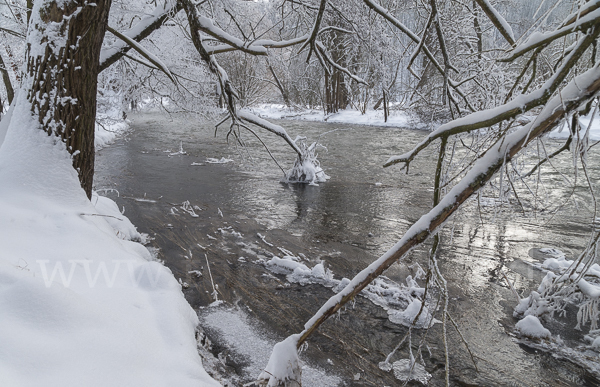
(346, 222)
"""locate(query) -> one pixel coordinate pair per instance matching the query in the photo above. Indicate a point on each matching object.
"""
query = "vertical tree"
(63, 50)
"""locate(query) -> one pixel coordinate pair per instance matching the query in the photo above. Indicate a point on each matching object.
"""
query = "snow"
(505, 26)
(163, 8)
(222, 160)
(562, 132)
(308, 169)
(407, 316)
(5, 121)
(590, 290)
(106, 135)
(536, 39)
(284, 364)
(349, 116)
(260, 44)
(276, 129)
(245, 339)
(123, 227)
(206, 25)
(81, 304)
(110, 122)
(401, 302)
(532, 327)
(405, 370)
(147, 54)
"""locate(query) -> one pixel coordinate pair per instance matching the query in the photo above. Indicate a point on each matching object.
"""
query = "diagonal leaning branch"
(143, 52)
(589, 20)
(499, 22)
(139, 32)
(575, 95)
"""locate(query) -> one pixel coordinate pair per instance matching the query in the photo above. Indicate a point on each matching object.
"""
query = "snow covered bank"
(250, 346)
(82, 305)
(108, 130)
(371, 117)
(396, 119)
(586, 122)
(110, 121)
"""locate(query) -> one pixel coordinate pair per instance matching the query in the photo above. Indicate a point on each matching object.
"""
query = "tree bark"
(10, 93)
(64, 45)
(478, 30)
(284, 93)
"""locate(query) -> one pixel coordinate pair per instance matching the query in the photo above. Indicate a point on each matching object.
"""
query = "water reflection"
(349, 221)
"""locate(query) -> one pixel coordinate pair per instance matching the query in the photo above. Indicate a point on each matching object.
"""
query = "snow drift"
(81, 304)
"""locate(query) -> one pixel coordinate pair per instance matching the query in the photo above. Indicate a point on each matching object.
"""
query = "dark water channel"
(347, 222)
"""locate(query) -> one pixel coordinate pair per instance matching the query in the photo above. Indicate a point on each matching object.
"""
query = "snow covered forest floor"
(397, 119)
(349, 116)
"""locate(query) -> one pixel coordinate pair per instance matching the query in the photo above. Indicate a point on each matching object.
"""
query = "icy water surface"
(235, 193)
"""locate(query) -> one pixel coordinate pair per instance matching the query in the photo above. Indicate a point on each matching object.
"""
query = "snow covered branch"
(140, 31)
(275, 129)
(398, 24)
(498, 21)
(143, 52)
(323, 53)
(575, 95)
(315, 31)
(536, 40)
(260, 43)
(195, 24)
(206, 25)
(490, 117)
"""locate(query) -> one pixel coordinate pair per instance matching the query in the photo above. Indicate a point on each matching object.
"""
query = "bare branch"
(139, 32)
(498, 21)
(519, 105)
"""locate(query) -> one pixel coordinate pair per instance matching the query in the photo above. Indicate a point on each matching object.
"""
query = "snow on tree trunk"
(64, 41)
(283, 369)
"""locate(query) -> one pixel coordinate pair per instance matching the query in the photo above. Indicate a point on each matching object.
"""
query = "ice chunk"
(532, 327)
(404, 373)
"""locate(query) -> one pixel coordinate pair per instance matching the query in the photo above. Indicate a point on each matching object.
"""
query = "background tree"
(503, 90)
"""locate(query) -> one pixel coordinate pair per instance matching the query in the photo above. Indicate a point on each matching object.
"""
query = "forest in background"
(500, 75)
(362, 60)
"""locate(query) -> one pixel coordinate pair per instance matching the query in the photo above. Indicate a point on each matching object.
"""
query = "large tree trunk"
(6, 78)
(64, 42)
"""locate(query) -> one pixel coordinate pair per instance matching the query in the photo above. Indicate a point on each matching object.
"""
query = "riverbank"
(397, 118)
(83, 302)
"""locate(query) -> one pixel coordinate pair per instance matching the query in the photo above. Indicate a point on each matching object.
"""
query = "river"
(346, 222)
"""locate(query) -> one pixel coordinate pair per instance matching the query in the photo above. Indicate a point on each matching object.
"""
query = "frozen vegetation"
(306, 169)
(252, 346)
(401, 301)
